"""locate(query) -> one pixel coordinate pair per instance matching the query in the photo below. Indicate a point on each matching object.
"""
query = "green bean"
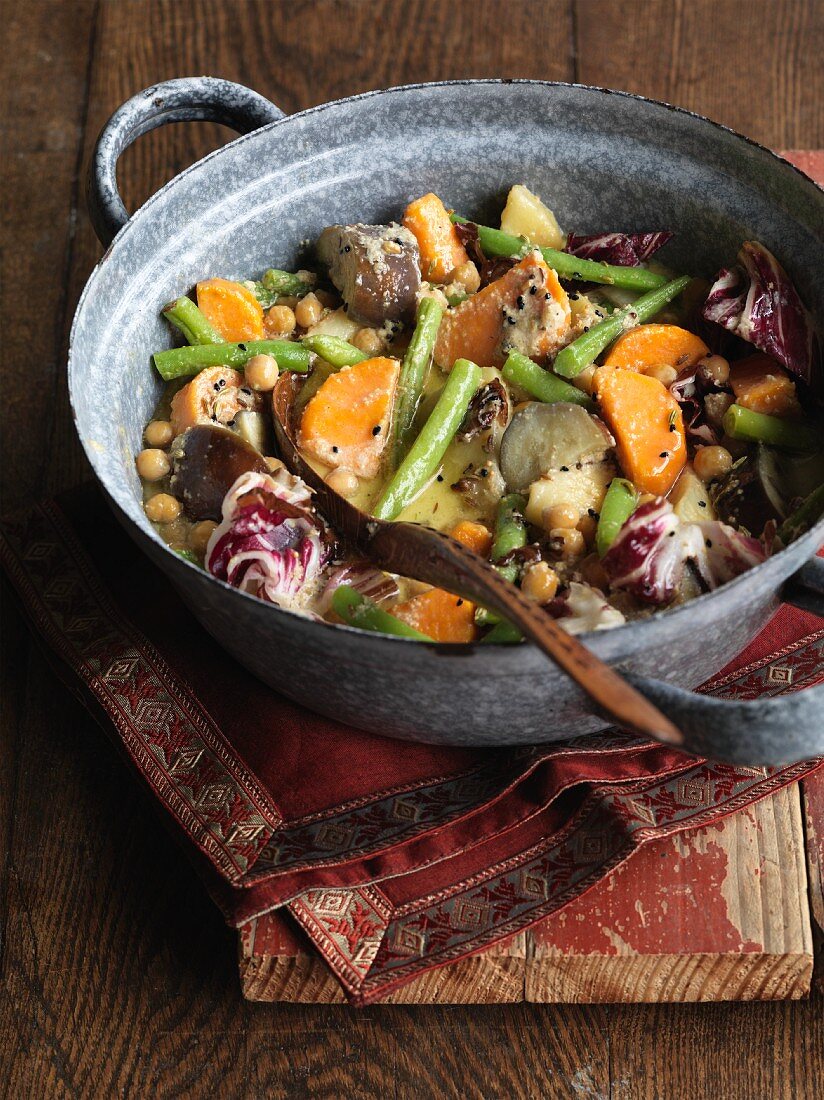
(510, 534)
(495, 242)
(189, 555)
(803, 518)
(358, 610)
(277, 284)
(413, 372)
(503, 632)
(185, 316)
(757, 427)
(427, 451)
(540, 383)
(578, 355)
(338, 352)
(618, 505)
(186, 362)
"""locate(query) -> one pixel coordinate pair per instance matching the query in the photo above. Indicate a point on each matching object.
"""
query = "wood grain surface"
(117, 976)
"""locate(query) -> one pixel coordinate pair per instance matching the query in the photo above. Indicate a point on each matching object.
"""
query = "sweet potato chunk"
(215, 396)
(438, 243)
(346, 423)
(232, 309)
(648, 427)
(760, 384)
(525, 310)
(656, 345)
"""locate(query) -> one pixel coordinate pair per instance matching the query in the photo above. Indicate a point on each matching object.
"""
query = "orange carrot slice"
(232, 308)
(508, 314)
(438, 242)
(346, 423)
(440, 614)
(656, 345)
(761, 385)
(648, 427)
(211, 396)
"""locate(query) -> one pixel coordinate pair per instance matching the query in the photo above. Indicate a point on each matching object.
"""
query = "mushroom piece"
(376, 268)
(206, 462)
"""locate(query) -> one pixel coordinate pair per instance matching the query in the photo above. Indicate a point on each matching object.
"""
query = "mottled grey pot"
(603, 160)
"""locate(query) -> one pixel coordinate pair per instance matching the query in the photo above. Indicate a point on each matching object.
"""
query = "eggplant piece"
(206, 462)
(541, 438)
(376, 268)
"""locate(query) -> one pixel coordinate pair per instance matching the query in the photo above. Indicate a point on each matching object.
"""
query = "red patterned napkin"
(394, 858)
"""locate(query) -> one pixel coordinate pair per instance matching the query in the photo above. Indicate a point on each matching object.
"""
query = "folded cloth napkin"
(395, 858)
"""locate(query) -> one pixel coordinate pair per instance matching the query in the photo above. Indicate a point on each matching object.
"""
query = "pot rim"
(811, 539)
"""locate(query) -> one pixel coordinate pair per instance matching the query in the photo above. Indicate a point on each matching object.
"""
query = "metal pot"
(605, 160)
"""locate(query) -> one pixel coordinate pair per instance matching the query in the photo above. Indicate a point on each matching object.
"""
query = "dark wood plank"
(118, 975)
(756, 68)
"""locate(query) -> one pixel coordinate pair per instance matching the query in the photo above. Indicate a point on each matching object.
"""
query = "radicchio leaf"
(623, 249)
(652, 549)
(582, 608)
(757, 301)
(360, 575)
(489, 268)
(688, 391)
(269, 542)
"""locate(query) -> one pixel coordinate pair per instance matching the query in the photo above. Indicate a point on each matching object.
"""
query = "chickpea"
(308, 311)
(152, 464)
(540, 582)
(567, 541)
(712, 462)
(588, 525)
(561, 515)
(200, 534)
(281, 319)
(159, 433)
(162, 508)
(715, 369)
(368, 340)
(274, 464)
(343, 481)
(465, 275)
(665, 374)
(261, 373)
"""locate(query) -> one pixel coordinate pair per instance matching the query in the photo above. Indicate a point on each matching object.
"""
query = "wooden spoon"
(412, 550)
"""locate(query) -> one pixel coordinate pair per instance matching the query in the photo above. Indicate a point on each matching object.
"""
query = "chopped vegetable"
(748, 496)
(805, 517)
(526, 216)
(578, 355)
(415, 364)
(439, 615)
(580, 489)
(619, 504)
(655, 345)
(496, 243)
(334, 350)
(364, 578)
(269, 542)
(358, 610)
(231, 308)
(189, 361)
(510, 533)
(375, 268)
(215, 396)
(346, 423)
(757, 301)
(647, 424)
(519, 370)
(185, 316)
(755, 427)
(761, 385)
(624, 249)
(474, 535)
(207, 460)
(440, 249)
(503, 632)
(526, 309)
(541, 438)
(691, 499)
(426, 453)
(282, 284)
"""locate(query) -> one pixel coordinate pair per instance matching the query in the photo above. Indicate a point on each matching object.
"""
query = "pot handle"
(760, 731)
(200, 98)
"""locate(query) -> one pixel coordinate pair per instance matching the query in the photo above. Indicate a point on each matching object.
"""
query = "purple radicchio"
(360, 575)
(269, 543)
(689, 391)
(624, 249)
(649, 556)
(583, 608)
(757, 301)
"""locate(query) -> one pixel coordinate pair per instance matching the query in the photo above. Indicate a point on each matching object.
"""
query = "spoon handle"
(431, 556)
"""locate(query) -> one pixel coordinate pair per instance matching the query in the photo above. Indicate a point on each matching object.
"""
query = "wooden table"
(117, 975)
